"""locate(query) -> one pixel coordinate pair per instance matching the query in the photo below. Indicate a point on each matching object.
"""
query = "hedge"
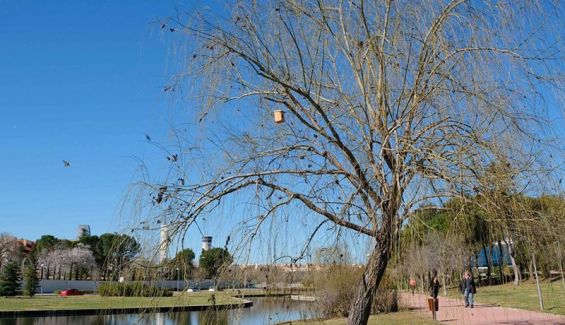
(132, 289)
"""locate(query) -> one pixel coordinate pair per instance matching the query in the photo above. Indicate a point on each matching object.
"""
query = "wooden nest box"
(278, 116)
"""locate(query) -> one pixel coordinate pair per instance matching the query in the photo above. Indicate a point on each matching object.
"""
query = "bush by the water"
(336, 289)
(132, 289)
(336, 286)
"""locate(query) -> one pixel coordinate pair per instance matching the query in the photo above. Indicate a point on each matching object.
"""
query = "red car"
(70, 292)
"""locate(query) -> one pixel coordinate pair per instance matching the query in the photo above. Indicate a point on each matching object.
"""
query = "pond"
(264, 311)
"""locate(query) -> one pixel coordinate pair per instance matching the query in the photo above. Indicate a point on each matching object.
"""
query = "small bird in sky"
(66, 163)
(147, 137)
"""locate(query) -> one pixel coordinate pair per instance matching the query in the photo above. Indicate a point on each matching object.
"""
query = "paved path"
(452, 311)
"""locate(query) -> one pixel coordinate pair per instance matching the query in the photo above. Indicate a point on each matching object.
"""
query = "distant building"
(26, 246)
(206, 243)
(83, 230)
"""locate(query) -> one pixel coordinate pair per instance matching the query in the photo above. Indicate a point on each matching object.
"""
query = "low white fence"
(50, 286)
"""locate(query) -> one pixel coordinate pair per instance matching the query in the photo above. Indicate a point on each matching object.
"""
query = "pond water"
(264, 311)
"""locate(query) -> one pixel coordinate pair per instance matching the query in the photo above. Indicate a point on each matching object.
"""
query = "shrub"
(132, 289)
(336, 288)
(386, 298)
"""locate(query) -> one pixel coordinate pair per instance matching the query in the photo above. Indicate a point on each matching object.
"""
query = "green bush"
(132, 289)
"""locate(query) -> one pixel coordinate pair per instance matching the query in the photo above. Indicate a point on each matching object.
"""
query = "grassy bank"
(524, 296)
(399, 318)
(96, 302)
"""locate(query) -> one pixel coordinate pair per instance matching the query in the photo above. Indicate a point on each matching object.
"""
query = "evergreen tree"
(31, 282)
(213, 260)
(10, 280)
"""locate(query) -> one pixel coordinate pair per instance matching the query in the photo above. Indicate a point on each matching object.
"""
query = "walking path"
(452, 311)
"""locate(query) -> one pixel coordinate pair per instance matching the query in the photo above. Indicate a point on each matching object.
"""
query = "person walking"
(434, 284)
(412, 284)
(468, 289)
(434, 291)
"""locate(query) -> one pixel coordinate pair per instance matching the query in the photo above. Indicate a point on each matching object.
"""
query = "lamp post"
(41, 280)
(177, 279)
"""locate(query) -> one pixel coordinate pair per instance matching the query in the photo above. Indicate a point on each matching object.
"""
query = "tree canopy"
(214, 260)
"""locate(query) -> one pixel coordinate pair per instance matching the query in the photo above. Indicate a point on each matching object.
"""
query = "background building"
(83, 230)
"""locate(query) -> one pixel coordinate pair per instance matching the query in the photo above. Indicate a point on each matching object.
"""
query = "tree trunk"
(500, 262)
(421, 283)
(511, 253)
(560, 264)
(361, 306)
(444, 284)
(537, 282)
(487, 259)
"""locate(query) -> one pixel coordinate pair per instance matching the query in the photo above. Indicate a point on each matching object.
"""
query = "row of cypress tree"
(10, 278)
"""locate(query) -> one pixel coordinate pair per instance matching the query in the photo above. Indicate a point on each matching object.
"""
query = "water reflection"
(264, 311)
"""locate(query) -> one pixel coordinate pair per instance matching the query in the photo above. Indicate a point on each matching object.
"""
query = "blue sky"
(83, 81)
(80, 81)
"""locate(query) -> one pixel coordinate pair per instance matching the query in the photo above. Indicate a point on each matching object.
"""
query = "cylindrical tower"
(206, 242)
(83, 230)
(164, 244)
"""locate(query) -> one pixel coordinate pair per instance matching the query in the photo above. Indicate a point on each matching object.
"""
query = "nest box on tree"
(279, 116)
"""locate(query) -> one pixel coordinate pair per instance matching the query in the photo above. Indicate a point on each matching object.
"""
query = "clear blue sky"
(79, 81)
(82, 81)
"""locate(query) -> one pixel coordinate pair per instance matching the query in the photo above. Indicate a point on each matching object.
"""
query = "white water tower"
(206, 243)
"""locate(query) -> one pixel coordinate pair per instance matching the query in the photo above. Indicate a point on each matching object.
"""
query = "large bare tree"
(389, 104)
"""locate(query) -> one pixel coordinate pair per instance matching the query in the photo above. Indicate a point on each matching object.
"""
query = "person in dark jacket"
(468, 289)
(433, 303)
(434, 284)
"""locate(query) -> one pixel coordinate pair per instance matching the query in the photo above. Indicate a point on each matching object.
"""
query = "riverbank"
(95, 305)
(398, 318)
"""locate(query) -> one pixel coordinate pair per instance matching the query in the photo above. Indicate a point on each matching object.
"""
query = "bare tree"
(9, 248)
(389, 104)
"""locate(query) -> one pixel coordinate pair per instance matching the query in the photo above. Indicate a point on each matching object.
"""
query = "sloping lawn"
(98, 302)
(524, 296)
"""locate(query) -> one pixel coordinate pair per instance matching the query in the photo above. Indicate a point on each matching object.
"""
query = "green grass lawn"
(98, 302)
(524, 296)
(399, 318)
